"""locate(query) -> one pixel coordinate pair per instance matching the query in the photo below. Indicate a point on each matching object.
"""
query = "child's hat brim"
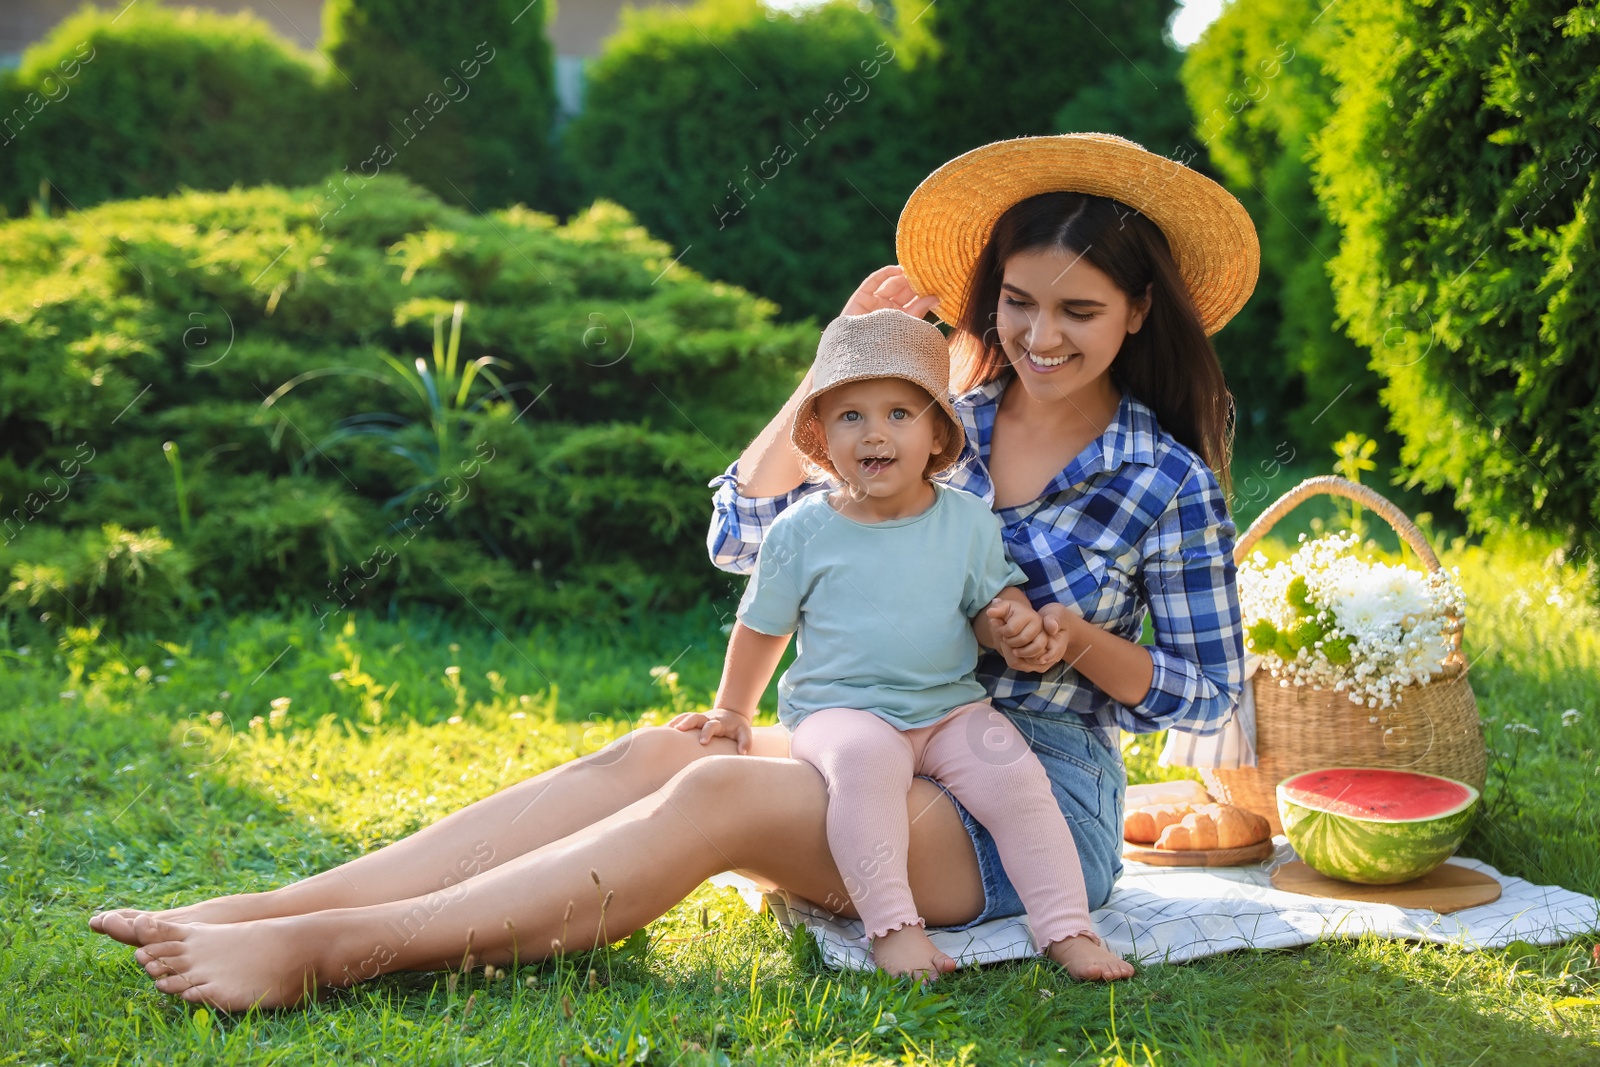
(880, 344)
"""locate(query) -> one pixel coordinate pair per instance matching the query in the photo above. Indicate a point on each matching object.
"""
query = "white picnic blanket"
(1173, 914)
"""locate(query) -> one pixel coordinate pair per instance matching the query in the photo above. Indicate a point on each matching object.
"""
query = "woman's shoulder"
(1179, 470)
(1169, 494)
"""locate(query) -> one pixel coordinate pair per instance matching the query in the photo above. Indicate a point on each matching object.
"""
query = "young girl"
(881, 577)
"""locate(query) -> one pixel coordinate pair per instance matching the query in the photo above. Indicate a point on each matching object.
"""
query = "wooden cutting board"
(1444, 889)
(1197, 857)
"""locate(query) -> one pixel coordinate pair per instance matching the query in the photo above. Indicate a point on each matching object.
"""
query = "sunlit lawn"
(157, 769)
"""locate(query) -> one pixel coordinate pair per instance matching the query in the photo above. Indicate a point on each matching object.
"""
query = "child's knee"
(978, 735)
(851, 746)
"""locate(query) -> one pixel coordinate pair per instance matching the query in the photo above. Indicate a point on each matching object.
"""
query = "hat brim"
(949, 217)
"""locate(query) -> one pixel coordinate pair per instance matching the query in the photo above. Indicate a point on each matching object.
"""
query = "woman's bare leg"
(474, 839)
(765, 816)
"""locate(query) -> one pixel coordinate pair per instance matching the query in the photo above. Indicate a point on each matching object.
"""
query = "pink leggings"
(977, 754)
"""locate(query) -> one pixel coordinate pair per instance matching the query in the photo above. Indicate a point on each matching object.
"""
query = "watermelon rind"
(1372, 851)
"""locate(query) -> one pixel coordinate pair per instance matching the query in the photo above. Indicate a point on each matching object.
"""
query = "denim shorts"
(1089, 783)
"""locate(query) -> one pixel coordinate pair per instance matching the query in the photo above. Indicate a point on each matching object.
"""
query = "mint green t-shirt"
(883, 609)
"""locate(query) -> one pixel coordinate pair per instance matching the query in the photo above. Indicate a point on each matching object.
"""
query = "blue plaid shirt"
(1136, 523)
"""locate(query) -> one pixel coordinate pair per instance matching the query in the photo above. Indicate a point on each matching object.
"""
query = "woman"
(1082, 275)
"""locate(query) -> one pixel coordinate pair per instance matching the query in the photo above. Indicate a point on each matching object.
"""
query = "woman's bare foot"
(117, 924)
(270, 963)
(1086, 958)
(909, 950)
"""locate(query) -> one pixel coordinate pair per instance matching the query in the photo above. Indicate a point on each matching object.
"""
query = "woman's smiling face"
(1062, 321)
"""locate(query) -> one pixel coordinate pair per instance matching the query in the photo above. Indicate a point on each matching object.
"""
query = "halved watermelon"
(1374, 826)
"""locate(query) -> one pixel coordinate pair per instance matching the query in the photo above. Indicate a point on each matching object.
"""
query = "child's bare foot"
(1086, 958)
(270, 963)
(909, 950)
(237, 907)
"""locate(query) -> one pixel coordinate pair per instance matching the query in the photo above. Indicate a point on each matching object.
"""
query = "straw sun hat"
(886, 343)
(949, 217)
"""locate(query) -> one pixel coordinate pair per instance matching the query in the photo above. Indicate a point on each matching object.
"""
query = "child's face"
(880, 434)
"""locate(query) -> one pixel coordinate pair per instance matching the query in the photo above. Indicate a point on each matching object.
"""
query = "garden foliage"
(1259, 93)
(775, 149)
(458, 97)
(1459, 164)
(782, 146)
(1006, 70)
(1141, 101)
(152, 99)
(257, 389)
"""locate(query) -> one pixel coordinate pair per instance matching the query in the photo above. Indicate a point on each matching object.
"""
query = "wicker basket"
(1431, 728)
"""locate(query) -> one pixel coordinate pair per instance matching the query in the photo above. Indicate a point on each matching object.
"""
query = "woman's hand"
(718, 722)
(1057, 620)
(887, 287)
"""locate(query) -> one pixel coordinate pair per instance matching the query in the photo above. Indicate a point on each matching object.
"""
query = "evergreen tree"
(458, 97)
(1259, 93)
(1460, 163)
(1005, 70)
(775, 149)
(143, 102)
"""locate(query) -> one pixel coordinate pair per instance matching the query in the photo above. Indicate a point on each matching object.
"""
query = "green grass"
(132, 772)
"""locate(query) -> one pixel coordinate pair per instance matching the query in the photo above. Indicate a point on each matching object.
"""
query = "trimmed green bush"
(1459, 163)
(1006, 70)
(144, 102)
(73, 578)
(1143, 103)
(776, 150)
(1259, 93)
(458, 97)
(268, 386)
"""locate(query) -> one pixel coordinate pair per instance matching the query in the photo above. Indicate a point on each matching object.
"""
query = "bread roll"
(1143, 825)
(1215, 826)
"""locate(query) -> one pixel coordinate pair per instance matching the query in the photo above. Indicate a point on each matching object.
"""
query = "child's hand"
(1018, 629)
(718, 722)
(1011, 625)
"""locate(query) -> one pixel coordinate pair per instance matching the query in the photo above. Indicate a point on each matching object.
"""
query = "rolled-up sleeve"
(739, 523)
(1190, 584)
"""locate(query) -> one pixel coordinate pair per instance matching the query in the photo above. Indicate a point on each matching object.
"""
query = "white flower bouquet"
(1326, 619)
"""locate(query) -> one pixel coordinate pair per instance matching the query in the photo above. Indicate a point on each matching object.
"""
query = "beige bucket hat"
(949, 217)
(886, 343)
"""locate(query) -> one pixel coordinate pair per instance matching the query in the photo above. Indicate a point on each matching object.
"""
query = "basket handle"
(1332, 485)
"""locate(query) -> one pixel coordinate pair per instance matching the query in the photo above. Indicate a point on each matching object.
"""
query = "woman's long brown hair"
(1169, 364)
